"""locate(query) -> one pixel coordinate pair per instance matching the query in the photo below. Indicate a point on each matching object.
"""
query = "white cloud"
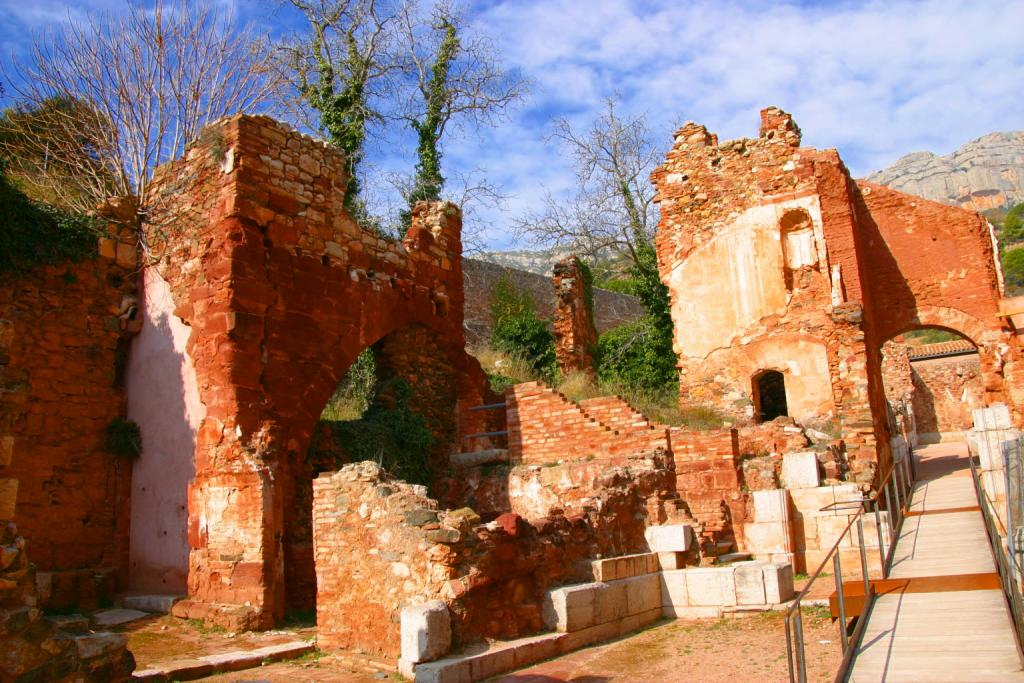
(875, 79)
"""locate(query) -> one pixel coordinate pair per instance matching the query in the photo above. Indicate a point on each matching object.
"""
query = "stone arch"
(282, 291)
(769, 394)
(796, 233)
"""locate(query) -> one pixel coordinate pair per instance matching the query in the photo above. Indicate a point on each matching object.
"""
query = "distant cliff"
(986, 173)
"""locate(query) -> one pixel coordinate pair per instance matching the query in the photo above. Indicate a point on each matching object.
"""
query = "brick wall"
(575, 334)
(545, 427)
(63, 335)
(381, 544)
(282, 291)
(946, 390)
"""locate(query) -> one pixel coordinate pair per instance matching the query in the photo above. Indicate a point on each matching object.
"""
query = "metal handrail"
(1008, 577)
(895, 488)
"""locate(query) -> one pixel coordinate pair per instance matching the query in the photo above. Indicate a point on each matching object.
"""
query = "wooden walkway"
(952, 635)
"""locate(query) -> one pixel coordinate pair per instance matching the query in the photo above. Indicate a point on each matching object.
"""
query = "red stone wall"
(702, 187)
(575, 334)
(883, 263)
(282, 290)
(945, 392)
(63, 335)
(381, 544)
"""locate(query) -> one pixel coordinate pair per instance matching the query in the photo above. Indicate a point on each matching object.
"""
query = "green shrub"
(391, 435)
(124, 438)
(33, 234)
(519, 331)
(355, 390)
(1013, 271)
(637, 354)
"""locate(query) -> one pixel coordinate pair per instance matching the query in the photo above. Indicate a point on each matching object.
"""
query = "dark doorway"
(770, 395)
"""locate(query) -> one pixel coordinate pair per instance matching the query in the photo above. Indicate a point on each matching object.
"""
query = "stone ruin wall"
(941, 391)
(787, 304)
(611, 309)
(282, 290)
(63, 340)
(575, 334)
(382, 544)
(817, 272)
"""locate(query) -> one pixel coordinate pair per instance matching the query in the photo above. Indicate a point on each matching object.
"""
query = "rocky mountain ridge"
(986, 173)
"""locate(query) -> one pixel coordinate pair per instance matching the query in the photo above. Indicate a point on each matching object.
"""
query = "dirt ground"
(164, 638)
(749, 648)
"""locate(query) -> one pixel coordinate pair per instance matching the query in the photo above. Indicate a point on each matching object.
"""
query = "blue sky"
(877, 80)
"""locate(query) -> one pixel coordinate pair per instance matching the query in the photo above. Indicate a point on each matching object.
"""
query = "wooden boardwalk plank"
(944, 637)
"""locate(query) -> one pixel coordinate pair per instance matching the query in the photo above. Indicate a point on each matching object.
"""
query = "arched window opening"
(798, 250)
(770, 395)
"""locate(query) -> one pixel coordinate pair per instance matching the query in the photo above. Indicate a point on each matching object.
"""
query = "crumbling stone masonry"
(61, 336)
(282, 290)
(575, 335)
(786, 277)
(64, 331)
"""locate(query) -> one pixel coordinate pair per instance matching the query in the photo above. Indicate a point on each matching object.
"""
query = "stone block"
(711, 586)
(767, 537)
(116, 617)
(778, 582)
(426, 631)
(643, 593)
(493, 662)
(809, 502)
(673, 591)
(995, 416)
(800, 470)
(537, 648)
(102, 643)
(610, 602)
(670, 561)
(449, 670)
(624, 567)
(637, 621)
(771, 505)
(749, 578)
(159, 604)
(669, 538)
(8, 498)
(829, 528)
(570, 608)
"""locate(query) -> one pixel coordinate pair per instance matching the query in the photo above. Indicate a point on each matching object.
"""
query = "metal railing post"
(801, 661)
(881, 548)
(837, 569)
(863, 561)
(888, 506)
(789, 648)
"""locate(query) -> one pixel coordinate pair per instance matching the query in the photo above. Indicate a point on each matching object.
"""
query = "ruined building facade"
(786, 277)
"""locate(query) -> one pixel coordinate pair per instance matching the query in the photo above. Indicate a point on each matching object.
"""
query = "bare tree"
(613, 207)
(108, 99)
(456, 79)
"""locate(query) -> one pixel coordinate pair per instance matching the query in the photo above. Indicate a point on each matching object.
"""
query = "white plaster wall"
(737, 278)
(803, 362)
(163, 398)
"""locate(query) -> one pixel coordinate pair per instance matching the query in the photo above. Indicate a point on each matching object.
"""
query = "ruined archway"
(282, 290)
(769, 391)
(407, 426)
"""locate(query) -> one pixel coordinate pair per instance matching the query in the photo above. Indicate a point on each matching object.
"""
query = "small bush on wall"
(124, 438)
